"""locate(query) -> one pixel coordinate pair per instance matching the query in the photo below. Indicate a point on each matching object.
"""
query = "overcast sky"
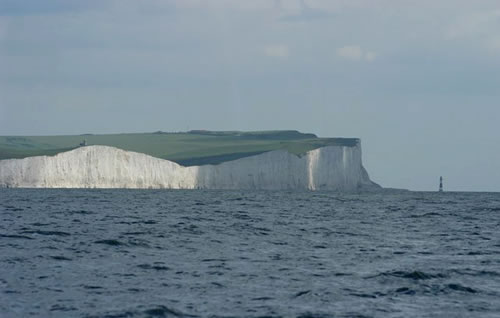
(417, 81)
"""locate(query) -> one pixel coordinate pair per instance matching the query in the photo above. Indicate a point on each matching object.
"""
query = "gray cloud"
(34, 7)
(306, 13)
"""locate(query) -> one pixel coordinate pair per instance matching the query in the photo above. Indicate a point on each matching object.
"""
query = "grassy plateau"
(196, 147)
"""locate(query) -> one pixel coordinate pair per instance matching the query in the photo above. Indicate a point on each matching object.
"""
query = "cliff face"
(329, 168)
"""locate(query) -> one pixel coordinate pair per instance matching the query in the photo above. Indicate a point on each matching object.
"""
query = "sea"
(197, 253)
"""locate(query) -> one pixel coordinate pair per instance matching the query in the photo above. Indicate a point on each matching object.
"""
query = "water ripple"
(136, 253)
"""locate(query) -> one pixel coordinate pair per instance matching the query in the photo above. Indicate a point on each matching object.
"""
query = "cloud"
(350, 52)
(474, 24)
(277, 50)
(35, 7)
(480, 26)
(370, 56)
(494, 43)
(356, 53)
(306, 13)
(221, 4)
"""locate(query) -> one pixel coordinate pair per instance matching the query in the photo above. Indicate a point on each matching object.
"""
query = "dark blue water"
(123, 253)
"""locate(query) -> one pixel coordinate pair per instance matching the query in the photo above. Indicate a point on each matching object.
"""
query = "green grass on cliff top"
(187, 148)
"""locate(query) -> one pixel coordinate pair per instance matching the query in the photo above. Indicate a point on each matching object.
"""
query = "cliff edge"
(336, 168)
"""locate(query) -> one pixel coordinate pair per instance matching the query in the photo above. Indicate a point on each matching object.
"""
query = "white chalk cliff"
(328, 168)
